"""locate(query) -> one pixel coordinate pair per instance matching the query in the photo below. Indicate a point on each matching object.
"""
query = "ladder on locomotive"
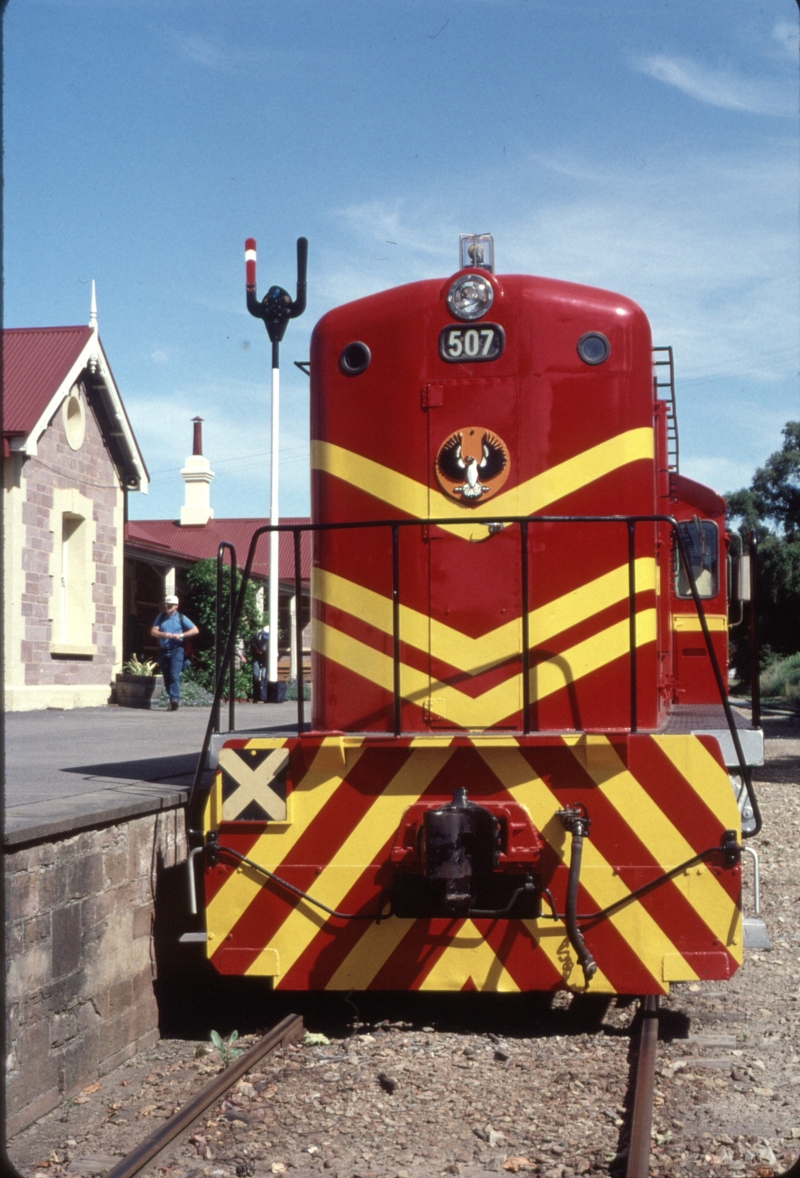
(662, 359)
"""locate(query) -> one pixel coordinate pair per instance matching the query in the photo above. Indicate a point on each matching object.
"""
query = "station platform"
(73, 769)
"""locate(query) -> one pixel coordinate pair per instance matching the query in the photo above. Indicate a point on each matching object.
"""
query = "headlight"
(470, 296)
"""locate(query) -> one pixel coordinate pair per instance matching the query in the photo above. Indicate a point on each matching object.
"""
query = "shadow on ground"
(148, 769)
(193, 998)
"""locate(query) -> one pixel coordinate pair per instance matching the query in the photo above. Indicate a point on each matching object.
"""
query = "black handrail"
(755, 652)
(632, 624)
(396, 703)
(526, 636)
(298, 629)
(218, 623)
(524, 522)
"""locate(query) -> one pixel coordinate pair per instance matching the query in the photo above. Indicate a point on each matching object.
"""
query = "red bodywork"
(550, 409)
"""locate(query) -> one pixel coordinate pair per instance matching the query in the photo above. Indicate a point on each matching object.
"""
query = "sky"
(648, 148)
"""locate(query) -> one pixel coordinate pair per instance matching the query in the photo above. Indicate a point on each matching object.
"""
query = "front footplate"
(441, 862)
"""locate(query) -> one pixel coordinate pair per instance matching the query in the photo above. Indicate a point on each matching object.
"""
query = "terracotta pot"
(138, 691)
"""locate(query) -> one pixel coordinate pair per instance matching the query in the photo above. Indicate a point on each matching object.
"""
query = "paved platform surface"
(67, 770)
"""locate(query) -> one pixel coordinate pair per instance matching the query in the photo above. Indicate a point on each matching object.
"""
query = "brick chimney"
(197, 475)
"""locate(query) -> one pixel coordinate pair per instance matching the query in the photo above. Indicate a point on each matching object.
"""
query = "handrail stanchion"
(396, 627)
(721, 688)
(526, 639)
(218, 618)
(632, 623)
(755, 653)
(217, 651)
(232, 668)
(230, 647)
(298, 630)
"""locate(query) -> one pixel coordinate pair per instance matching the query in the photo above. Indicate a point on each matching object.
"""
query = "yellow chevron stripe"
(710, 782)
(663, 840)
(468, 956)
(684, 622)
(367, 958)
(707, 777)
(417, 499)
(474, 655)
(323, 778)
(499, 701)
(360, 848)
(634, 924)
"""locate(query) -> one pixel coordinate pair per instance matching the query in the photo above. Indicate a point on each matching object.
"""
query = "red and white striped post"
(274, 516)
(276, 309)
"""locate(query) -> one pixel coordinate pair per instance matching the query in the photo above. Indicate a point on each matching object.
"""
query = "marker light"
(593, 347)
(476, 249)
(470, 296)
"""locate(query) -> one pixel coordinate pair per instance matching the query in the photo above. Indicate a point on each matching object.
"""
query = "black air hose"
(576, 822)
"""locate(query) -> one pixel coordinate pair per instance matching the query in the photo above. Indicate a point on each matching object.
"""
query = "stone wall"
(80, 957)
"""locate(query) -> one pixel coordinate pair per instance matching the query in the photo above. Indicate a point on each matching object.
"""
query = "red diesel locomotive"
(522, 771)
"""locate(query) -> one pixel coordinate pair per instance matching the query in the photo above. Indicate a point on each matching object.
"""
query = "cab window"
(701, 545)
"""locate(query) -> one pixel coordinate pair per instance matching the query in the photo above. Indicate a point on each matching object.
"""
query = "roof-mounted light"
(476, 250)
(470, 296)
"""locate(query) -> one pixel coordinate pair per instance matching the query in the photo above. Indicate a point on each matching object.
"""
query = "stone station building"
(70, 459)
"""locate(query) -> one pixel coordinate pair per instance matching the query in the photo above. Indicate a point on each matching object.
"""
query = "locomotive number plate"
(481, 341)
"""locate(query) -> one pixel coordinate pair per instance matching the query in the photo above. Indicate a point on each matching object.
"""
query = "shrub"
(193, 693)
(202, 579)
(782, 678)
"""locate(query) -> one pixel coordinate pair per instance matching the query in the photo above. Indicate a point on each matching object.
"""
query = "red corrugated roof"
(36, 360)
(165, 537)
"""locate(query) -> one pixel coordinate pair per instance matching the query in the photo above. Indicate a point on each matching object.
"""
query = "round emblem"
(472, 465)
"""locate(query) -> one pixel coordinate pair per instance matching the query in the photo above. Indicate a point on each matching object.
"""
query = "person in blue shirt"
(170, 628)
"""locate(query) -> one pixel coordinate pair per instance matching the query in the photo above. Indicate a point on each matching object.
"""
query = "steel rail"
(286, 1031)
(642, 1119)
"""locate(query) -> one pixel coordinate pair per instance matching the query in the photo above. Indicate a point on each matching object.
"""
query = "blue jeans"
(171, 664)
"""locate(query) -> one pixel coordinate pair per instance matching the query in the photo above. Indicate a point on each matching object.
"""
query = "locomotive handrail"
(524, 522)
(217, 620)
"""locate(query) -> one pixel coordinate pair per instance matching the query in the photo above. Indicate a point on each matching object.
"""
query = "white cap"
(171, 599)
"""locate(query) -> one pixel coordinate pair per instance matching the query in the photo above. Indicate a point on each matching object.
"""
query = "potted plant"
(137, 684)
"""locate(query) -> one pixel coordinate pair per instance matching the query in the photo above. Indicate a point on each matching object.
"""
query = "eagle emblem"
(472, 464)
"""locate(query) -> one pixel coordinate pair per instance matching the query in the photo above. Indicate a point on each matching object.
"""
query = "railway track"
(642, 1112)
(290, 1029)
(154, 1147)
(547, 1095)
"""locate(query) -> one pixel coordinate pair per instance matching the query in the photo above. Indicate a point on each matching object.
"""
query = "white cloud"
(226, 57)
(239, 453)
(707, 245)
(786, 36)
(718, 87)
(214, 54)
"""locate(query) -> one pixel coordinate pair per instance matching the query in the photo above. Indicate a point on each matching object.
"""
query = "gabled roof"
(36, 363)
(40, 366)
(166, 539)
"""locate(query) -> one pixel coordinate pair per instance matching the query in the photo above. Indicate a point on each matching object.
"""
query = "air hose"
(576, 822)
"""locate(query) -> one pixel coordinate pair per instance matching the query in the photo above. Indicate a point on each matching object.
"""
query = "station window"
(701, 544)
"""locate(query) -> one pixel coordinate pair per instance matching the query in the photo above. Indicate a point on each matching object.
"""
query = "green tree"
(202, 579)
(770, 507)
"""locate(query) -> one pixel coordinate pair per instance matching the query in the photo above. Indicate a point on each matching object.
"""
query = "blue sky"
(650, 148)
